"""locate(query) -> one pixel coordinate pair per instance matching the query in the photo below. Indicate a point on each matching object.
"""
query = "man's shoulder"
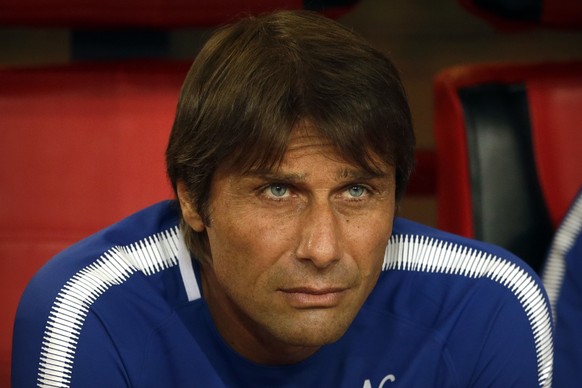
(123, 280)
(463, 292)
(146, 242)
(414, 247)
(429, 275)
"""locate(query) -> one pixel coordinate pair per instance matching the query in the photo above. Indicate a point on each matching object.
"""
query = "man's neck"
(235, 328)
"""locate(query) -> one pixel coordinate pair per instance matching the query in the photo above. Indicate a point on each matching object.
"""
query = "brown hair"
(256, 79)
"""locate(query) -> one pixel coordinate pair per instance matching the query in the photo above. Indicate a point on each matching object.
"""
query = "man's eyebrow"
(276, 176)
(345, 173)
(361, 174)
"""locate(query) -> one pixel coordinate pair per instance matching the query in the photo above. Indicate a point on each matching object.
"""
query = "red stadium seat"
(151, 13)
(512, 15)
(82, 147)
(508, 147)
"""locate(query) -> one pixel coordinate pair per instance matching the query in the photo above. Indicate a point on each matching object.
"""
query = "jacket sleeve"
(506, 335)
(47, 345)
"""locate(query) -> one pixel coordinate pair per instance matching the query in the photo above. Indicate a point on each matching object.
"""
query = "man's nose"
(320, 235)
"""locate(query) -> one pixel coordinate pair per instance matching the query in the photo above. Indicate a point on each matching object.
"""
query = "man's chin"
(314, 331)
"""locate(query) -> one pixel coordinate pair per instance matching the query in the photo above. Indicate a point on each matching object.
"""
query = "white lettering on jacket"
(388, 378)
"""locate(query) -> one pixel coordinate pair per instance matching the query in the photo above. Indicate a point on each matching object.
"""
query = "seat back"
(507, 140)
(82, 147)
(510, 15)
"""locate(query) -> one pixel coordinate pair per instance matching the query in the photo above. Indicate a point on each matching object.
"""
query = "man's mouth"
(313, 297)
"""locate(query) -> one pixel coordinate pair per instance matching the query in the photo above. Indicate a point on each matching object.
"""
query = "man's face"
(295, 251)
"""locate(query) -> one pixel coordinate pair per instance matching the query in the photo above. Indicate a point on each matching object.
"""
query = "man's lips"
(311, 297)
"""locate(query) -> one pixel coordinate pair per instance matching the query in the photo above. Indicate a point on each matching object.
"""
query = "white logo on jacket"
(388, 378)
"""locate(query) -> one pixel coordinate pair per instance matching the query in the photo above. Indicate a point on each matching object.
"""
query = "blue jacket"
(123, 308)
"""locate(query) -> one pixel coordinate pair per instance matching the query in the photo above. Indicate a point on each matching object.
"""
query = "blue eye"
(278, 190)
(356, 191)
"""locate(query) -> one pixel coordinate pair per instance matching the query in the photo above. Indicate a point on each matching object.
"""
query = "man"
(282, 262)
(563, 280)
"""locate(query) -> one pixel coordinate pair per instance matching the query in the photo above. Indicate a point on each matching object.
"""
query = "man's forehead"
(306, 140)
(342, 172)
(306, 135)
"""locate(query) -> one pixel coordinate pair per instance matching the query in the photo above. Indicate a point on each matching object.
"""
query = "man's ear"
(191, 215)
